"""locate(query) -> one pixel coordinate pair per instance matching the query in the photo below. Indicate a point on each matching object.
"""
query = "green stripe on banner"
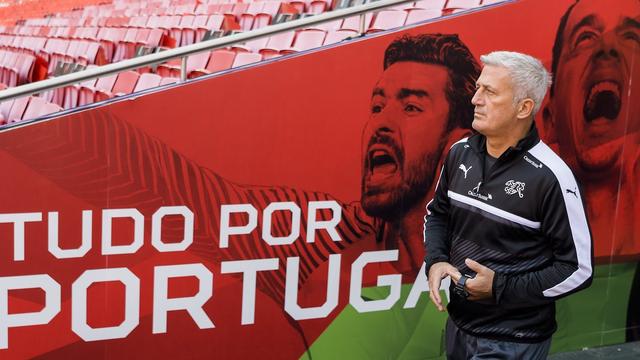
(397, 333)
(593, 317)
(596, 316)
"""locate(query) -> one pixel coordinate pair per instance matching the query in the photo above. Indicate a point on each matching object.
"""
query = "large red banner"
(279, 209)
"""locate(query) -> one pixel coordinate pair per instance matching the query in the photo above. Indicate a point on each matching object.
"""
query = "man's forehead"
(416, 75)
(603, 12)
(494, 76)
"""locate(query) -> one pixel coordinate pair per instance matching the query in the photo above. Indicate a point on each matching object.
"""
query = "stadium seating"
(41, 39)
(388, 19)
(218, 60)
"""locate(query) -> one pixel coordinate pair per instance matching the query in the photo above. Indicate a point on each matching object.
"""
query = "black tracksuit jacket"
(524, 218)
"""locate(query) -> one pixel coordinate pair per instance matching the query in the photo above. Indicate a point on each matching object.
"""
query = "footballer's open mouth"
(603, 101)
(381, 160)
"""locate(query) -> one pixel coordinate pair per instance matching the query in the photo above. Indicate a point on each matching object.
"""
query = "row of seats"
(17, 10)
(107, 87)
(16, 68)
(104, 88)
(25, 108)
(110, 17)
(120, 43)
(97, 45)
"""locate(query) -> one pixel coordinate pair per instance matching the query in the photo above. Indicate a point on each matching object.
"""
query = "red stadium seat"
(203, 9)
(327, 26)
(25, 69)
(251, 45)
(94, 54)
(271, 7)
(319, 6)
(307, 39)
(5, 110)
(194, 62)
(430, 4)
(124, 84)
(138, 21)
(168, 80)
(261, 20)
(177, 33)
(124, 47)
(218, 60)
(10, 69)
(17, 109)
(388, 19)
(240, 8)
(246, 21)
(277, 43)
(225, 8)
(33, 108)
(338, 35)
(299, 5)
(39, 107)
(86, 94)
(71, 93)
(255, 7)
(353, 23)
(462, 4)
(243, 59)
(189, 33)
(214, 22)
(418, 15)
(147, 81)
(110, 38)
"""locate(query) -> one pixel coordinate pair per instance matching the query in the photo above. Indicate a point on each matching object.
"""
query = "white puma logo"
(464, 169)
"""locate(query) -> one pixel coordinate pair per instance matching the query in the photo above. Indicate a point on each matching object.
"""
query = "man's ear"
(525, 109)
(548, 125)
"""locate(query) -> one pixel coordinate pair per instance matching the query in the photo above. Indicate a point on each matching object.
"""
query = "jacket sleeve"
(564, 225)
(436, 221)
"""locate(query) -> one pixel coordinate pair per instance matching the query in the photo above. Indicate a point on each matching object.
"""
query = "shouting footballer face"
(598, 61)
(403, 139)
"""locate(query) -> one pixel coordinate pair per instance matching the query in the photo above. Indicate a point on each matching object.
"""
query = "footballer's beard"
(393, 204)
(601, 160)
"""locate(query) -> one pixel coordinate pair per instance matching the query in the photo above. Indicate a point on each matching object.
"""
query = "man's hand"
(437, 272)
(481, 286)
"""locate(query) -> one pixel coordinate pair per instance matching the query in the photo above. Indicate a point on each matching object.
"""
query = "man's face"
(495, 112)
(591, 106)
(403, 139)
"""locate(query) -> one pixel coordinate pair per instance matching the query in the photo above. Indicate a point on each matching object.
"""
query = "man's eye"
(585, 38)
(631, 35)
(412, 108)
(376, 109)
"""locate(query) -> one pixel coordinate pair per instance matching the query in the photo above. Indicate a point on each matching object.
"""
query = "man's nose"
(385, 121)
(476, 99)
(607, 49)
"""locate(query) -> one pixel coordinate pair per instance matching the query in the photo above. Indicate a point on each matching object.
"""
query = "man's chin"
(602, 159)
(380, 205)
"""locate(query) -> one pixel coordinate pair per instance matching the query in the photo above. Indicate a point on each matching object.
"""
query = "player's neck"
(406, 235)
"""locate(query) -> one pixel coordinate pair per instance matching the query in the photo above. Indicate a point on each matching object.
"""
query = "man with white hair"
(507, 222)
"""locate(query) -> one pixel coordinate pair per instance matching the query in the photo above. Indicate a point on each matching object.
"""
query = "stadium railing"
(185, 51)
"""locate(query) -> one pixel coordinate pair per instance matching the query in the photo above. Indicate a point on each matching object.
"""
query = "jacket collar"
(478, 142)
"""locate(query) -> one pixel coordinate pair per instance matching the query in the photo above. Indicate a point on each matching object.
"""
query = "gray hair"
(530, 79)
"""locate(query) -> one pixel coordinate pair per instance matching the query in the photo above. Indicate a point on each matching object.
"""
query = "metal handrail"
(185, 51)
